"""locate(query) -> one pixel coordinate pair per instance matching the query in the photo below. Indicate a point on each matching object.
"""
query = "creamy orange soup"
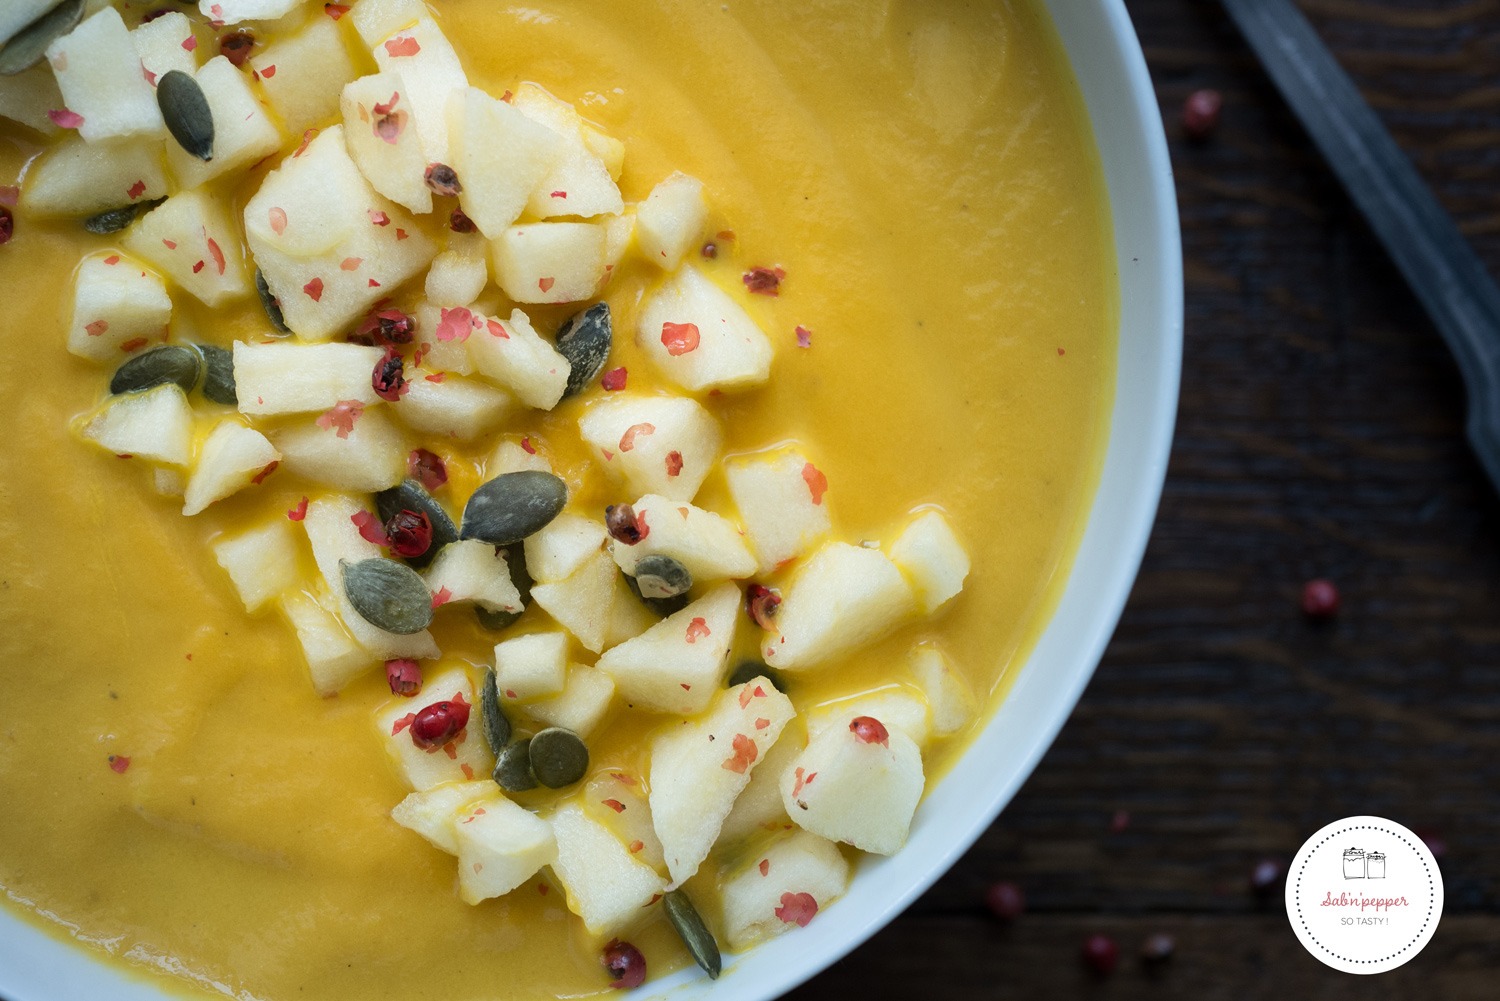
(925, 174)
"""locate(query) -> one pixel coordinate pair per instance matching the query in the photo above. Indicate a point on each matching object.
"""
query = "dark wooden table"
(1320, 434)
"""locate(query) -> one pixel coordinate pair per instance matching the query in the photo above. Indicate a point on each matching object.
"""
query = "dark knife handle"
(1438, 263)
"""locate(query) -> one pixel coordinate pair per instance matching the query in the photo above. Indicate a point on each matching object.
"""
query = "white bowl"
(1112, 75)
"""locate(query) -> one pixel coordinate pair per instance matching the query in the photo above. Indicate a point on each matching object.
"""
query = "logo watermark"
(1364, 895)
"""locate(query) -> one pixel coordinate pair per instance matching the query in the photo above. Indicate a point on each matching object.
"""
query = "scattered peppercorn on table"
(522, 447)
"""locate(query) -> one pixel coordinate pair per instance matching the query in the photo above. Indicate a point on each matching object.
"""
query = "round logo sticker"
(1364, 895)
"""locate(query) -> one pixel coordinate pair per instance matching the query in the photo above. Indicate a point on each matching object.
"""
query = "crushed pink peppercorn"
(625, 963)
(404, 676)
(439, 723)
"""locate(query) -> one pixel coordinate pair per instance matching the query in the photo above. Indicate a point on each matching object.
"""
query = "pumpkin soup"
(543, 483)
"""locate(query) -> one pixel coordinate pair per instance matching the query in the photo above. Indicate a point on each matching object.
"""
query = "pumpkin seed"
(514, 505)
(694, 933)
(410, 495)
(388, 594)
(218, 375)
(513, 768)
(27, 47)
(496, 725)
(185, 110)
(585, 341)
(660, 607)
(749, 670)
(271, 306)
(558, 757)
(659, 576)
(158, 367)
(114, 220)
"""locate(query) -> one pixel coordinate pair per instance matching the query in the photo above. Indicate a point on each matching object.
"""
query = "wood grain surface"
(1320, 434)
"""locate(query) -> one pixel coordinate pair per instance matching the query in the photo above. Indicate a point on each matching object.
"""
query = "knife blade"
(1441, 268)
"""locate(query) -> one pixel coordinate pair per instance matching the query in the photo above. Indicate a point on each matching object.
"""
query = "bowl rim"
(44, 967)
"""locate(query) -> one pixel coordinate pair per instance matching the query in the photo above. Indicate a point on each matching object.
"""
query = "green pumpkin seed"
(185, 110)
(513, 768)
(114, 220)
(496, 725)
(659, 576)
(585, 341)
(750, 670)
(513, 506)
(388, 594)
(694, 933)
(659, 607)
(218, 375)
(558, 757)
(158, 367)
(409, 495)
(515, 559)
(27, 47)
(271, 306)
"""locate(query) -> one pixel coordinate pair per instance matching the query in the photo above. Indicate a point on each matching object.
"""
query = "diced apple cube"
(303, 74)
(333, 657)
(511, 456)
(582, 704)
(425, 59)
(664, 445)
(78, 178)
(334, 538)
(514, 355)
(580, 183)
(168, 482)
(607, 148)
(629, 616)
(780, 496)
(464, 757)
(235, 11)
(451, 356)
(379, 131)
(710, 547)
(932, 558)
(377, 20)
(450, 405)
(782, 887)
(616, 799)
(291, 378)
(500, 846)
(562, 546)
(671, 220)
(699, 338)
(607, 886)
(328, 245)
(117, 308)
(952, 700)
(99, 74)
(758, 809)
(159, 43)
(550, 262)
(531, 667)
(243, 133)
(698, 769)
(156, 424)
(231, 457)
(456, 279)
(676, 665)
(857, 781)
(474, 571)
(843, 598)
(364, 454)
(434, 813)
(192, 239)
(893, 705)
(28, 96)
(500, 156)
(262, 561)
(582, 603)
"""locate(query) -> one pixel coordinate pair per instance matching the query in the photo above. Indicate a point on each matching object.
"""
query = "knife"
(1442, 269)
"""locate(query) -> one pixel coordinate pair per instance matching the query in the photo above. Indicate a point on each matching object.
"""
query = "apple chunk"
(607, 886)
(781, 501)
(677, 664)
(664, 445)
(193, 240)
(782, 887)
(699, 338)
(117, 307)
(78, 178)
(243, 133)
(231, 457)
(99, 74)
(709, 546)
(156, 425)
(303, 73)
(698, 769)
(500, 156)
(932, 558)
(550, 262)
(500, 846)
(291, 378)
(466, 756)
(384, 144)
(425, 59)
(262, 562)
(670, 220)
(843, 598)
